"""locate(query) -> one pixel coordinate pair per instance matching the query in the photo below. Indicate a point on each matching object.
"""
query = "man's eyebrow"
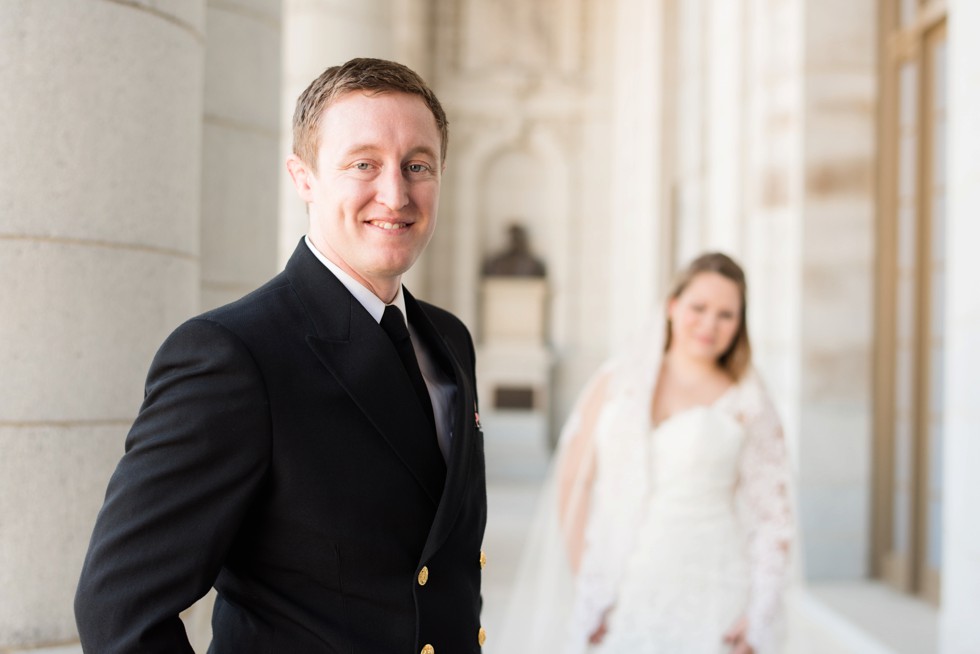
(423, 149)
(367, 148)
(360, 149)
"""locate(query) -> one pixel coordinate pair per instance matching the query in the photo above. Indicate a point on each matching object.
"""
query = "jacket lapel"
(354, 348)
(463, 428)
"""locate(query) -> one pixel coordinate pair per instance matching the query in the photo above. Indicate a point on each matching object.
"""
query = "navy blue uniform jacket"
(282, 456)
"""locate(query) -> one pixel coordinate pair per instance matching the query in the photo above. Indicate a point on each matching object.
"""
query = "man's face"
(374, 197)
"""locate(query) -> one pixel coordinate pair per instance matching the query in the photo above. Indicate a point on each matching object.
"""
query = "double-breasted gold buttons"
(423, 575)
(481, 636)
(483, 559)
(428, 649)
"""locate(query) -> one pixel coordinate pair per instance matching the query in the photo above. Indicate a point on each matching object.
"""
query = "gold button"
(428, 649)
(423, 577)
(483, 559)
(481, 636)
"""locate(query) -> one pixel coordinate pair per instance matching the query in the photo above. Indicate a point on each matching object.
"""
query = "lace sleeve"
(765, 500)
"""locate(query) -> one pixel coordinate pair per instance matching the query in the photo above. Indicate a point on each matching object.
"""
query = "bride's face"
(704, 318)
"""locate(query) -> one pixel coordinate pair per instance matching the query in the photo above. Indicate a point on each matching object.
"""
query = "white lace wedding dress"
(687, 580)
(678, 531)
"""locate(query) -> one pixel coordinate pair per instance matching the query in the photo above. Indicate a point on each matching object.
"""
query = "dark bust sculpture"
(516, 260)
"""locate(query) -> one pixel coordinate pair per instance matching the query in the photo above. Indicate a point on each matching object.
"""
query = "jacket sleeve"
(194, 460)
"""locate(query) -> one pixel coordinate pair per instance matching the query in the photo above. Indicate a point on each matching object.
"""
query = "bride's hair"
(738, 356)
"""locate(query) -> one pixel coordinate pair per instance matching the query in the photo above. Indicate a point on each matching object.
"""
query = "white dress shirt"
(442, 389)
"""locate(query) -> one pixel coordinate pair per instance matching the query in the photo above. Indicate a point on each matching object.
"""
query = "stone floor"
(517, 462)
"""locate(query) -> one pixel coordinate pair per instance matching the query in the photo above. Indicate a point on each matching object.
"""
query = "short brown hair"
(373, 75)
(738, 356)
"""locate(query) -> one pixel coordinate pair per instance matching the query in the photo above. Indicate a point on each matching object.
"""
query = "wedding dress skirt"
(686, 580)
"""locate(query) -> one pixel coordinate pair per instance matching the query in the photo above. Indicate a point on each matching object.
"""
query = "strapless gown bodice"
(693, 460)
(686, 580)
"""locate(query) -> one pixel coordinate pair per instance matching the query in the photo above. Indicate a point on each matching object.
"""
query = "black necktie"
(394, 324)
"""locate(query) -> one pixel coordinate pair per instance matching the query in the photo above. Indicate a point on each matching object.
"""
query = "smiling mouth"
(389, 226)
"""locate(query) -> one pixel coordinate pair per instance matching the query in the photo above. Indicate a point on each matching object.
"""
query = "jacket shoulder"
(269, 293)
(443, 319)
(274, 307)
(448, 325)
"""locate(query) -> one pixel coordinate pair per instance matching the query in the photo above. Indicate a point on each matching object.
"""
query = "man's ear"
(302, 177)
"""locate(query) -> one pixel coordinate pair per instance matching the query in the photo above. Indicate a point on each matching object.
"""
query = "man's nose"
(392, 189)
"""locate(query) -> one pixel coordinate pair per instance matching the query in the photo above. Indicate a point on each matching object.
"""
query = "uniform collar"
(367, 299)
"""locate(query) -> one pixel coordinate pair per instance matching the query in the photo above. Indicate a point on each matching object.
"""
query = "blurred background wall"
(827, 144)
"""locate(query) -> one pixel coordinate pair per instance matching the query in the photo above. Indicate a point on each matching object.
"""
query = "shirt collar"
(371, 302)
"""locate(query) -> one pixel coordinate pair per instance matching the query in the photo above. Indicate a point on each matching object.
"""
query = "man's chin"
(390, 270)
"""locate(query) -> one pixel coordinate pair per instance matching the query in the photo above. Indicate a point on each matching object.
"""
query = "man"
(288, 451)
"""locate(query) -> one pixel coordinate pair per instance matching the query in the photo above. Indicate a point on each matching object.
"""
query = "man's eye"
(417, 168)
(362, 165)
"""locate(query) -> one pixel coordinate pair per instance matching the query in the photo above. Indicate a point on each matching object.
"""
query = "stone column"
(773, 195)
(836, 277)
(960, 602)
(240, 183)
(636, 272)
(726, 39)
(99, 204)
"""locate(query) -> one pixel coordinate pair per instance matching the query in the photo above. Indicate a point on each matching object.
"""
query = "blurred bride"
(667, 524)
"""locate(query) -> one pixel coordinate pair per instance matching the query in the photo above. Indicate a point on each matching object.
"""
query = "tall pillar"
(960, 603)
(835, 347)
(635, 192)
(240, 153)
(99, 202)
(773, 196)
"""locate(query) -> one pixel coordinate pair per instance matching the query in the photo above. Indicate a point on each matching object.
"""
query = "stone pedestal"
(514, 366)
(514, 310)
